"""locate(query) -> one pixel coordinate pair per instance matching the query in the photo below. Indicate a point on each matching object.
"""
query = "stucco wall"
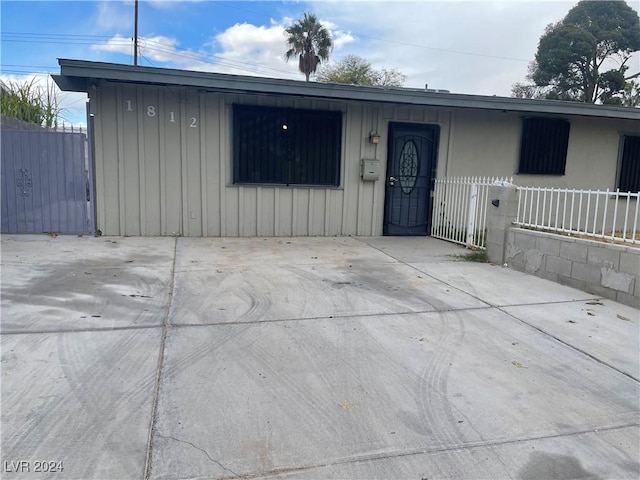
(483, 143)
(488, 144)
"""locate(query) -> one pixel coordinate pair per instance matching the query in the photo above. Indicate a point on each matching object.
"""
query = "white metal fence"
(460, 209)
(611, 215)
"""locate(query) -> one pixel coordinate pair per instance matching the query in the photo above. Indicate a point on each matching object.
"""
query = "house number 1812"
(151, 112)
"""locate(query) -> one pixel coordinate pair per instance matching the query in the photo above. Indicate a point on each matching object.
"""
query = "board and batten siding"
(164, 167)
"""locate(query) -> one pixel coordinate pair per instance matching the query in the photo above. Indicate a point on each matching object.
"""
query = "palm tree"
(311, 41)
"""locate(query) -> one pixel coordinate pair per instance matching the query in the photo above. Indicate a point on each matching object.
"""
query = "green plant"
(575, 56)
(479, 256)
(310, 42)
(30, 102)
(355, 70)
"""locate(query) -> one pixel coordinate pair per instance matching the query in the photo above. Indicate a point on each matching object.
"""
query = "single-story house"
(203, 154)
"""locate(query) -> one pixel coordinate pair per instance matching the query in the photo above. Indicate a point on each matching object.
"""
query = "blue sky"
(476, 47)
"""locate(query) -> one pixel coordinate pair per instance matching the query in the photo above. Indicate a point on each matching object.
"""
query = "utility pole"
(135, 33)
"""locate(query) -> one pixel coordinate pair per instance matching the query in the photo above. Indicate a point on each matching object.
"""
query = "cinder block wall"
(502, 208)
(604, 269)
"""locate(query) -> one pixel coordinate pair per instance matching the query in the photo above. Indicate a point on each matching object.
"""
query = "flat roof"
(79, 75)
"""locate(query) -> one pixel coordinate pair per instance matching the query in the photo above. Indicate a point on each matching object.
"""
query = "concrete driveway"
(175, 358)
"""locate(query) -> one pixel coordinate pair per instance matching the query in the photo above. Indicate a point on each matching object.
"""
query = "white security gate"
(460, 209)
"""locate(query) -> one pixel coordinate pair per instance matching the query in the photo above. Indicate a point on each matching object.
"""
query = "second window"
(543, 150)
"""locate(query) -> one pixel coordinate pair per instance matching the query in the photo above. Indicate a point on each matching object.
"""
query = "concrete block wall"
(500, 216)
(604, 269)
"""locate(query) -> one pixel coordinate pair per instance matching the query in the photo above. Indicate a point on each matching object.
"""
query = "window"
(543, 150)
(286, 146)
(629, 168)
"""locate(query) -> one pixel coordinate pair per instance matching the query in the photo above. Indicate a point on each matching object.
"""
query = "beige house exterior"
(163, 146)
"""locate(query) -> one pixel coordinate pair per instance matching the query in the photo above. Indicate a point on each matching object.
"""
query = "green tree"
(308, 40)
(391, 77)
(631, 94)
(30, 103)
(573, 53)
(355, 70)
(530, 89)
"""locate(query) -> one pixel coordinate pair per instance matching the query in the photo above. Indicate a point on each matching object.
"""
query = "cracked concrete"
(213, 460)
(307, 358)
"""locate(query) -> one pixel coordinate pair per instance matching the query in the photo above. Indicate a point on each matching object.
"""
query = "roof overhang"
(80, 75)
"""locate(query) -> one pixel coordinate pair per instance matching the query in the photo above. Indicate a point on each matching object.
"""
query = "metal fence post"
(472, 214)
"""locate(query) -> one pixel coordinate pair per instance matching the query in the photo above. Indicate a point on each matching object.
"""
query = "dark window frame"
(544, 145)
(628, 174)
(307, 153)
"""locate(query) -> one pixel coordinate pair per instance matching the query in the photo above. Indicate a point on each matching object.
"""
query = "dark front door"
(411, 166)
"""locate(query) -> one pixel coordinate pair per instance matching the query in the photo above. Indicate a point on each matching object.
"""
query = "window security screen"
(629, 180)
(544, 145)
(286, 146)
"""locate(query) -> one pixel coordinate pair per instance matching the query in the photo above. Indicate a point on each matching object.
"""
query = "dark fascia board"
(79, 75)
(70, 84)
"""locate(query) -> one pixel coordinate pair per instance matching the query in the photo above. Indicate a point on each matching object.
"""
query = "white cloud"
(116, 44)
(113, 16)
(425, 39)
(466, 47)
(447, 45)
(155, 48)
(247, 39)
(245, 48)
(340, 39)
(242, 49)
(248, 49)
(163, 49)
(339, 36)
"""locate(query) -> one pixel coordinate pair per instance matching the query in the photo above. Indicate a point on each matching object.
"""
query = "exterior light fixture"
(374, 138)
(284, 126)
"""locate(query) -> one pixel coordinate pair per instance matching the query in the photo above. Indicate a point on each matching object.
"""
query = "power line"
(225, 62)
(20, 72)
(446, 50)
(119, 41)
(29, 37)
(440, 49)
(145, 58)
(60, 42)
(29, 66)
(52, 34)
